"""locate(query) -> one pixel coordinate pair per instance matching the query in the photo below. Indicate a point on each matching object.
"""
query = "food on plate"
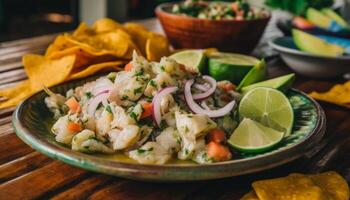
(327, 185)
(105, 46)
(252, 137)
(155, 112)
(312, 44)
(281, 83)
(268, 106)
(229, 66)
(150, 111)
(193, 60)
(338, 94)
(239, 10)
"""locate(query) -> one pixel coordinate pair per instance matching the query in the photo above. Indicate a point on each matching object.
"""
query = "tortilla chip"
(60, 43)
(139, 34)
(14, 91)
(333, 184)
(250, 196)
(13, 101)
(294, 186)
(338, 94)
(115, 66)
(44, 72)
(157, 46)
(106, 25)
(83, 30)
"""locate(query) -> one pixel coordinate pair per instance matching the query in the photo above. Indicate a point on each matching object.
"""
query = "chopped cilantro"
(138, 90)
(88, 95)
(141, 151)
(139, 73)
(125, 97)
(109, 109)
(133, 115)
(153, 83)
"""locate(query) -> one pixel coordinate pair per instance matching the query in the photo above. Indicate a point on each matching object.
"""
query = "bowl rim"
(160, 10)
(284, 49)
(131, 170)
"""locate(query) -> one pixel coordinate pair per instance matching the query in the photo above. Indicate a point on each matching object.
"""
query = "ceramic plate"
(32, 122)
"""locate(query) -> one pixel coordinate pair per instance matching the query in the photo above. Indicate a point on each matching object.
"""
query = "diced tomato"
(73, 105)
(128, 67)
(218, 152)
(216, 135)
(229, 87)
(147, 110)
(74, 127)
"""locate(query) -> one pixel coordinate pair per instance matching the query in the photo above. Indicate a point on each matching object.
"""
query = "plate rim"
(132, 170)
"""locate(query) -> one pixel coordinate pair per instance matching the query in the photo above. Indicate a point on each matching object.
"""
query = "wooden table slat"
(11, 148)
(41, 181)
(22, 165)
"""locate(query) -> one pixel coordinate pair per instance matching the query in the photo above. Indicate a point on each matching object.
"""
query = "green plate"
(32, 122)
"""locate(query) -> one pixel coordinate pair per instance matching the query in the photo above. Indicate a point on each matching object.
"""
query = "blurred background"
(27, 18)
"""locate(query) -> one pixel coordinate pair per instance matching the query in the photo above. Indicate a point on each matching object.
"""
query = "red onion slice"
(95, 101)
(99, 90)
(202, 87)
(199, 110)
(208, 92)
(156, 114)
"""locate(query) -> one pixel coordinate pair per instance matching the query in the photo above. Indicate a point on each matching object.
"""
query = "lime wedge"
(256, 74)
(194, 60)
(314, 45)
(281, 83)
(269, 107)
(253, 137)
(229, 66)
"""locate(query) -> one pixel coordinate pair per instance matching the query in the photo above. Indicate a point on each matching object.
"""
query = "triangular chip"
(115, 66)
(157, 46)
(44, 72)
(333, 184)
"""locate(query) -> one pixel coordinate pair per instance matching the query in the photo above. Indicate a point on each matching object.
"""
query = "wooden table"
(27, 174)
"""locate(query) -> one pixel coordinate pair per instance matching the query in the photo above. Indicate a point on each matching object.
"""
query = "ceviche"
(151, 111)
(238, 10)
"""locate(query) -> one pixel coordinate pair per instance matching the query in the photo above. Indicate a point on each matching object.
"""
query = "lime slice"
(314, 45)
(253, 137)
(256, 74)
(281, 83)
(269, 107)
(194, 60)
(229, 66)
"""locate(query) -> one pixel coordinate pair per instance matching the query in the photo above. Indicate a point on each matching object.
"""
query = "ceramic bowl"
(225, 35)
(309, 64)
(32, 122)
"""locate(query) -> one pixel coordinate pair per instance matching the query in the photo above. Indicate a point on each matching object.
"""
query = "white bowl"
(310, 65)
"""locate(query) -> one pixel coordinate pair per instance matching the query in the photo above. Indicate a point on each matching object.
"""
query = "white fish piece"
(166, 103)
(103, 123)
(169, 139)
(150, 153)
(130, 85)
(120, 118)
(60, 129)
(162, 80)
(200, 152)
(122, 139)
(88, 142)
(191, 127)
